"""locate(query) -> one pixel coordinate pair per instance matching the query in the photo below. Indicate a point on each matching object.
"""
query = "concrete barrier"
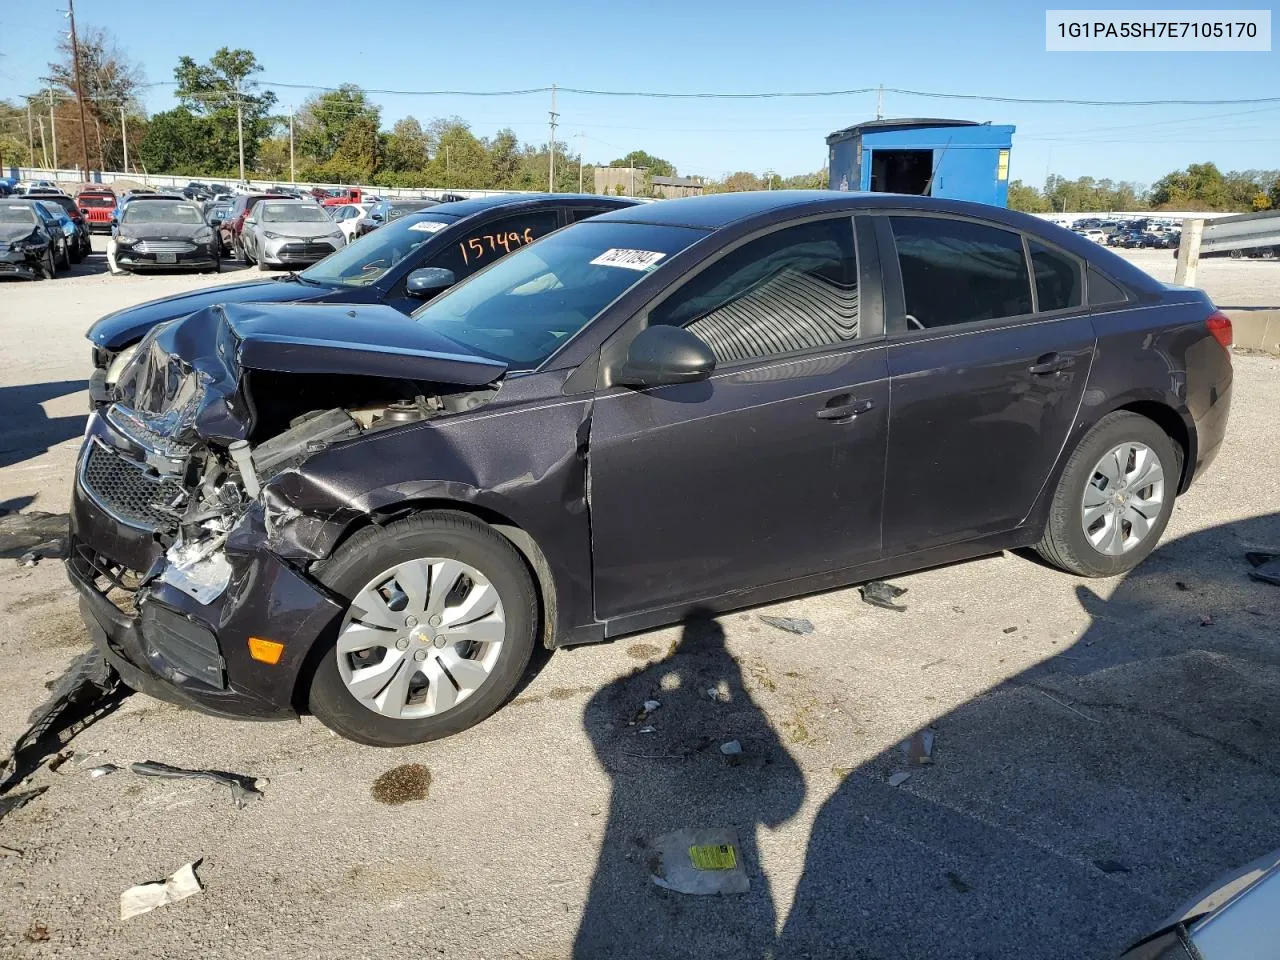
(1256, 329)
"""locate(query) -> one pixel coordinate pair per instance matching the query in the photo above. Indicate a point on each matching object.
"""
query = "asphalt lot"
(1092, 767)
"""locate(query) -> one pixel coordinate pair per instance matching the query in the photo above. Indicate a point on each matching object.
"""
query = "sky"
(989, 49)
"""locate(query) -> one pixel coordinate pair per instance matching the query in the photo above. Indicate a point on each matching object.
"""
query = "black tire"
(77, 254)
(1064, 543)
(264, 267)
(66, 256)
(431, 534)
(242, 253)
(49, 267)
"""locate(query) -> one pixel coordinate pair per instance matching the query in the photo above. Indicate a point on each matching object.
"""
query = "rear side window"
(1059, 279)
(954, 271)
(788, 292)
(1104, 290)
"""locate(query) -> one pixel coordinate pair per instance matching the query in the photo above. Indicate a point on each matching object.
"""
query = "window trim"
(895, 293)
(613, 351)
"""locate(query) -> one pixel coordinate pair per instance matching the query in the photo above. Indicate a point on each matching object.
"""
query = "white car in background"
(1096, 235)
(347, 215)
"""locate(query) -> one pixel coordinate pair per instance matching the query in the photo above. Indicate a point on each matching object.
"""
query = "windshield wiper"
(294, 275)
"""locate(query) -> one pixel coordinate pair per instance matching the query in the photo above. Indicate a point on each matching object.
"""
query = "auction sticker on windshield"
(629, 259)
(427, 226)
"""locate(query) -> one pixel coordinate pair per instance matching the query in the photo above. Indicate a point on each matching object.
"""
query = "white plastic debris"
(731, 749)
(899, 778)
(699, 862)
(651, 705)
(147, 896)
(103, 770)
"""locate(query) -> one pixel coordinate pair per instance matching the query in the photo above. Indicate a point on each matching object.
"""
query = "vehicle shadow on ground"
(674, 777)
(26, 431)
(1065, 813)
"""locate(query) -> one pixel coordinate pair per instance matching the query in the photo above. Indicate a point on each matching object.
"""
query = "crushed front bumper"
(175, 648)
(21, 263)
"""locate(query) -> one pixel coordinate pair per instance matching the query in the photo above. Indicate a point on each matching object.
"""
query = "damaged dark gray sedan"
(697, 404)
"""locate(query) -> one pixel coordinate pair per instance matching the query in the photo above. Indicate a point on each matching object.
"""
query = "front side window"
(1059, 279)
(489, 242)
(955, 271)
(528, 304)
(790, 291)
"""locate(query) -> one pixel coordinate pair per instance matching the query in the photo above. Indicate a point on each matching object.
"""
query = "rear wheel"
(242, 252)
(1114, 498)
(77, 252)
(440, 626)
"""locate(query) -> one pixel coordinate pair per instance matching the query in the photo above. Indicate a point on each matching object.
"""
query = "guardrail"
(1258, 232)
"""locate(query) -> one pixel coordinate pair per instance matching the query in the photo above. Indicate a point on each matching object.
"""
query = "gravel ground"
(1102, 748)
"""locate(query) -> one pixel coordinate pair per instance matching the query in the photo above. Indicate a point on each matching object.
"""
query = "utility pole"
(880, 102)
(124, 138)
(31, 137)
(631, 191)
(291, 175)
(240, 125)
(580, 136)
(53, 132)
(44, 147)
(551, 166)
(75, 58)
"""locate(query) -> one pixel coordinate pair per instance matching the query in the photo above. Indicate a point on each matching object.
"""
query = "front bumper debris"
(21, 263)
(145, 613)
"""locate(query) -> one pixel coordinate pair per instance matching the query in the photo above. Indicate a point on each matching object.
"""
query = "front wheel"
(441, 623)
(49, 267)
(1114, 498)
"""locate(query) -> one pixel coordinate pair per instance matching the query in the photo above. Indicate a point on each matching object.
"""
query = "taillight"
(1219, 325)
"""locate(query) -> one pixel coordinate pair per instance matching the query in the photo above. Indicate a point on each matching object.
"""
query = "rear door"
(987, 369)
(773, 468)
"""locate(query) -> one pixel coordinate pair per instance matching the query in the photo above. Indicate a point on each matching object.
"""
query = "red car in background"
(98, 207)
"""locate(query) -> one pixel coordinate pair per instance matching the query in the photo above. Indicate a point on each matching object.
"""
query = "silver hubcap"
(420, 638)
(1123, 498)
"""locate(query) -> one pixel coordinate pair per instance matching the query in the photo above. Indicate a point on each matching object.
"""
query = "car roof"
(465, 208)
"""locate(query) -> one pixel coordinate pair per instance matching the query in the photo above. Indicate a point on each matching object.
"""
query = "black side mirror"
(215, 222)
(375, 217)
(428, 281)
(663, 355)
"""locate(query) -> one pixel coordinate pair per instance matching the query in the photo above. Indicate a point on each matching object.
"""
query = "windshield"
(292, 213)
(92, 200)
(526, 305)
(17, 213)
(397, 210)
(159, 211)
(369, 258)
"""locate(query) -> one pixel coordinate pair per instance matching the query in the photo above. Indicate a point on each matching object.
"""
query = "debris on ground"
(1010, 630)
(1266, 566)
(35, 535)
(243, 788)
(102, 770)
(647, 730)
(882, 595)
(10, 851)
(1206, 620)
(59, 759)
(790, 624)
(651, 705)
(1182, 587)
(899, 778)
(700, 862)
(409, 781)
(720, 693)
(957, 882)
(1110, 866)
(145, 897)
(36, 933)
(88, 691)
(731, 749)
(18, 800)
(920, 749)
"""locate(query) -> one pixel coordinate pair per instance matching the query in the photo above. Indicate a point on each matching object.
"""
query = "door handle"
(844, 408)
(1050, 363)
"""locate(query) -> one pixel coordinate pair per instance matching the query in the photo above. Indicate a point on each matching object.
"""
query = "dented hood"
(185, 380)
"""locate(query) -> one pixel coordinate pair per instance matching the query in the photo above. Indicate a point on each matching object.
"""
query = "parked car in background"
(165, 234)
(400, 265)
(98, 208)
(1093, 233)
(216, 212)
(386, 211)
(331, 198)
(44, 186)
(82, 245)
(234, 223)
(289, 233)
(596, 434)
(347, 217)
(32, 243)
(195, 190)
(70, 232)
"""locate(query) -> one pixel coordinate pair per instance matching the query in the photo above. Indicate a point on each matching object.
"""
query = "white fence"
(73, 178)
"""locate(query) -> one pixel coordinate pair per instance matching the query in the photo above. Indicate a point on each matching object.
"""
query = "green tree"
(407, 146)
(214, 90)
(179, 142)
(461, 159)
(326, 119)
(656, 166)
(505, 157)
(1026, 198)
(110, 80)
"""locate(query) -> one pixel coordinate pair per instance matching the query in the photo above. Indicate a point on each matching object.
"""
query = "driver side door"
(770, 470)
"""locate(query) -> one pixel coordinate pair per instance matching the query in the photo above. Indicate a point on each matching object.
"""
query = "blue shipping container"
(958, 159)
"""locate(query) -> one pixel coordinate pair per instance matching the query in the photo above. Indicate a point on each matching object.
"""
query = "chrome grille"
(306, 248)
(128, 491)
(164, 246)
